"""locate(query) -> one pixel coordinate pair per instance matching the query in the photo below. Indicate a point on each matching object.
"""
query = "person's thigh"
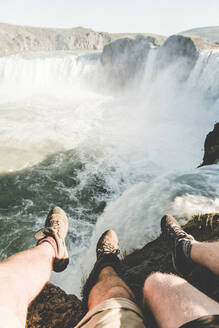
(8, 319)
(174, 302)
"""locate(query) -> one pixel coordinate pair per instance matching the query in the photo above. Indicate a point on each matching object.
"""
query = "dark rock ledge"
(53, 308)
(211, 155)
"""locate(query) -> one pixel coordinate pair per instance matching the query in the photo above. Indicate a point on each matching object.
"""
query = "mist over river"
(112, 156)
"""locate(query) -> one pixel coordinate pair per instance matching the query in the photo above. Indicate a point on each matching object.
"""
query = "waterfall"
(71, 137)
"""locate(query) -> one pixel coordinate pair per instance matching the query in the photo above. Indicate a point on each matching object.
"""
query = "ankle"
(195, 249)
(187, 246)
(49, 240)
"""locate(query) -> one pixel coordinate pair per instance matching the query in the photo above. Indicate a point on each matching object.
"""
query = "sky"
(164, 17)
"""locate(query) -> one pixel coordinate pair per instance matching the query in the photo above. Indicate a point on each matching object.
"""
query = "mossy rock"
(204, 226)
(214, 149)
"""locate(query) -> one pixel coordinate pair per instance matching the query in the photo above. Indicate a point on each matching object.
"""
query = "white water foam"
(151, 133)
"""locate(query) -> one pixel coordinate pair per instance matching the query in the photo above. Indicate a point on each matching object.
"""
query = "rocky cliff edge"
(53, 308)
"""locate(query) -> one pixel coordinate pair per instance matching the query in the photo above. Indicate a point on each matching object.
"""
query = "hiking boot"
(180, 243)
(56, 226)
(107, 250)
(107, 244)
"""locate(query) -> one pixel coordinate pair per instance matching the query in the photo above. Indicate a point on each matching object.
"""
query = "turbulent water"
(112, 157)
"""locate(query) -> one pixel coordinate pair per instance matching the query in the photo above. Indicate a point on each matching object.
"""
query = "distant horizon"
(102, 31)
(142, 16)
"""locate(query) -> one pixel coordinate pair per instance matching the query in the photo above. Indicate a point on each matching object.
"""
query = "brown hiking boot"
(180, 243)
(56, 226)
(107, 244)
(107, 250)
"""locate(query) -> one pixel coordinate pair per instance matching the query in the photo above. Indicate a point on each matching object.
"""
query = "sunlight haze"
(158, 16)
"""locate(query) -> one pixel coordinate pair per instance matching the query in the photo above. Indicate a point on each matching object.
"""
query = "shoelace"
(177, 231)
(107, 248)
(55, 224)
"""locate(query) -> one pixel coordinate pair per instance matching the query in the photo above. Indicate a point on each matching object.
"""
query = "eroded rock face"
(179, 50)
(211, 148)
(18, 39)
(124, 58)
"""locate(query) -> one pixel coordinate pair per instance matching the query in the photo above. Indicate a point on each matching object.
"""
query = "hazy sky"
(158, 16)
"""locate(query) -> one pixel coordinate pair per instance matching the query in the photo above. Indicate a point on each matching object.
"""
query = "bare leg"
(23, 276)
(174, 301)
(109, 285)
(206, 254)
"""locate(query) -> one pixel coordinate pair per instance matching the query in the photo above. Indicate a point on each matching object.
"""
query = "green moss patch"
(204, 226)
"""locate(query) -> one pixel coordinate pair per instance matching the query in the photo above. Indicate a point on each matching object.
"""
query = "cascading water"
(68, 138)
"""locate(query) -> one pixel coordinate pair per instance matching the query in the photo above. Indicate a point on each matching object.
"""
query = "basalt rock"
(211, 148)
(122, 48)
(180, 51)
(53, 308)
(124, 58)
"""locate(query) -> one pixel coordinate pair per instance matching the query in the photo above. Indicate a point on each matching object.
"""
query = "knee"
(155, 283)
(119, 291)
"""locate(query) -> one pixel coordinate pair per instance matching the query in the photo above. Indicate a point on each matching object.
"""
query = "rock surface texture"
(16, 39)
(178, 46)
(124, 58)
(179, 50)
(53, 308)
(211, 148)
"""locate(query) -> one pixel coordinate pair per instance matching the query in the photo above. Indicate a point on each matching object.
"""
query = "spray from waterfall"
(130, 151)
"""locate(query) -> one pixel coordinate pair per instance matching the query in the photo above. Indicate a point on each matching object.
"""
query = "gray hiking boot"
(107, 244)
(180, 243)
(56, 226)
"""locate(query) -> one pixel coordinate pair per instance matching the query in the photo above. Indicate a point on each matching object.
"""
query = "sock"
(51, 241)
(186, 247)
